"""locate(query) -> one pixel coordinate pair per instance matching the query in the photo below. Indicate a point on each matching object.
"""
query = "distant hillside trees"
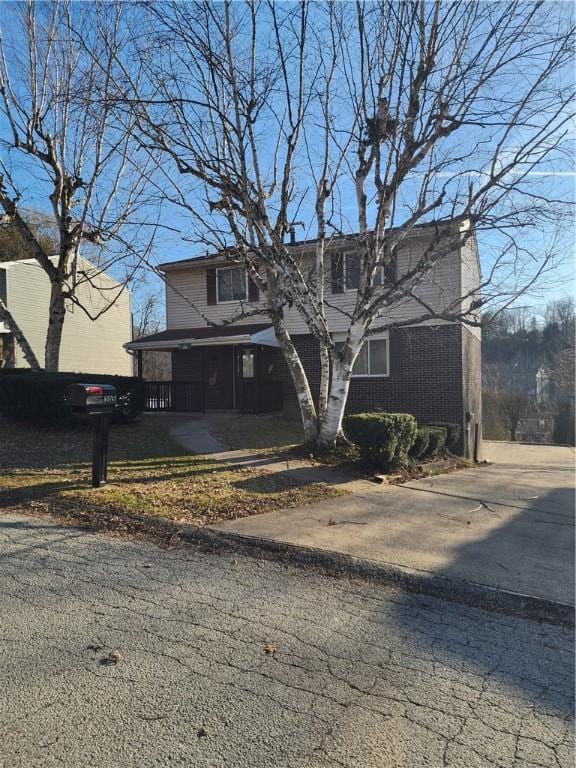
(528, 372)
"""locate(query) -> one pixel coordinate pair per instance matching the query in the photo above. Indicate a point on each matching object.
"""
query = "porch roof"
(182, 338)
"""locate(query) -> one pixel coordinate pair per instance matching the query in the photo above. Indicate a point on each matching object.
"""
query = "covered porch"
(223, 368)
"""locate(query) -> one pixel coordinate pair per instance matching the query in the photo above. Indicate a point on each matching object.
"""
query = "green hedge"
(437, 440)
(384, 439)
(421, 444)
(430, 441)
(453, 433)
(37, 397)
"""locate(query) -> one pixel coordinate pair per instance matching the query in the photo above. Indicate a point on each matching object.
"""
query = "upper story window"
(352, 266)
(346, 270)
(231, 284)
(3, 291)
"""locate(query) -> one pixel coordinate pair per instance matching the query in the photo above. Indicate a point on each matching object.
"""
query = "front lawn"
(149, 474)
(257, 432)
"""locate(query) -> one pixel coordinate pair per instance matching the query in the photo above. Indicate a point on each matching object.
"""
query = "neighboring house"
(530, 378)
(87, 346)
(538, 429)
(430, 369)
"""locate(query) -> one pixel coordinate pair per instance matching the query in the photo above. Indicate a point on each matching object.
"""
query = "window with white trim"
(373, 359)
(231, 284)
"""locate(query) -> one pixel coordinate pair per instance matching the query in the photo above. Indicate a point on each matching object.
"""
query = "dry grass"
(257, 432)
(149, 474)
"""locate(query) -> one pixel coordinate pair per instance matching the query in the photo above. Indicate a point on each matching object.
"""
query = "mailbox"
(87, 400)
(97, 403)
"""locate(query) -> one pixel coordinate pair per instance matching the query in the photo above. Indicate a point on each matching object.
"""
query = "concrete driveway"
(508, 525)
(356, 675)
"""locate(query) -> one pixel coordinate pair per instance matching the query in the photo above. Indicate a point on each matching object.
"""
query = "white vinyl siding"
(186, 295)
(87, 346)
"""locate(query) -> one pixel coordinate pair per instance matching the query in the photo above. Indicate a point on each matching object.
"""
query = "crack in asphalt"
(362, 675)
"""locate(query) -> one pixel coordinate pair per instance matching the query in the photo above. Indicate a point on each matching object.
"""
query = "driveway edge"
(334, 563)
(419, 582)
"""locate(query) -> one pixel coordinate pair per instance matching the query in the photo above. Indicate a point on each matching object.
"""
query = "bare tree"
(13, 246)
(156, 366)
(63, 147)
(371, 118)
(506, 401)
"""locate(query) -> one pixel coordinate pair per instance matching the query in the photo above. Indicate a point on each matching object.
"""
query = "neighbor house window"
(231, 284)
(352, 268)
(373, 359)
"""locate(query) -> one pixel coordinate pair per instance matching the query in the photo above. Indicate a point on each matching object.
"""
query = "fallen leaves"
(149, 477)
(270, 649)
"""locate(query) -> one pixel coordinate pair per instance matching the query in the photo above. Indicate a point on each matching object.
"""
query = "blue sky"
(179, 238)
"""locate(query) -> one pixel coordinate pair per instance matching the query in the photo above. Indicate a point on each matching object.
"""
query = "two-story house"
(430, 369)
(88, 346)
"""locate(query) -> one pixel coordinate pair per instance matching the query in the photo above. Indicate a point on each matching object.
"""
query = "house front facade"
(430, 369)
(88, 346)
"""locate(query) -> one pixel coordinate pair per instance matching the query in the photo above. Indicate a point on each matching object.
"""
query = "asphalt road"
(355, 674)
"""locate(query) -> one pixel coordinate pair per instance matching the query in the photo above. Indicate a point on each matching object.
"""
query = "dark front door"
(219, 379)
(247, 366)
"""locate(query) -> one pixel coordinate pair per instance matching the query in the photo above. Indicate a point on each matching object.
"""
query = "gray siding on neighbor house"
(87, 346)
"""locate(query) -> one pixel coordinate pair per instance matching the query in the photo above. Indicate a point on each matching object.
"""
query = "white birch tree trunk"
(56, 316)
(330, 428)
(308, 412)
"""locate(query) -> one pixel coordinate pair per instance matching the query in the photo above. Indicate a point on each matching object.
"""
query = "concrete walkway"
(195, 436)
(509, 525)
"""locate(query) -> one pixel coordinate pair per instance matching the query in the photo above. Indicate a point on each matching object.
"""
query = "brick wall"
(434, 374)
(425, 376)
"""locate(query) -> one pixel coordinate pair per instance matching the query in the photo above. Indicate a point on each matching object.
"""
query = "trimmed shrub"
(37, 397)
(420, 447)
(453, 433)
(437, 440)
(384, 439)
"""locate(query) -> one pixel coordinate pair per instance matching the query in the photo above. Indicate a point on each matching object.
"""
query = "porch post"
(139, 363)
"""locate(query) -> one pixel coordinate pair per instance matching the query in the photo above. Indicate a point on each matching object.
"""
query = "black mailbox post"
(96, 402)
